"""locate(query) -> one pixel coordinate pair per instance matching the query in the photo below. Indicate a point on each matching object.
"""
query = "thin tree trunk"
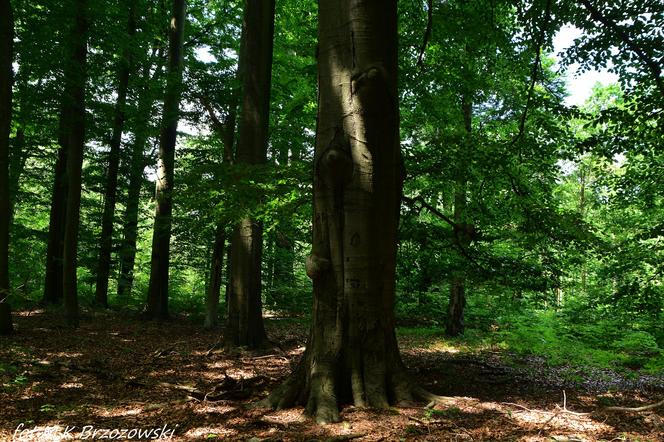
(455, 325)
(110, 195)
(352, 353)
(157, 300)
(127, 253)
(245, 321)
(18, 155)
(75, 79)
(53, 285)
(17, 162)
(6, 82)
(226, 132)
(214, 285)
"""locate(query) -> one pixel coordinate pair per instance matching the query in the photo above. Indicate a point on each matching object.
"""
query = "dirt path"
(169, 380)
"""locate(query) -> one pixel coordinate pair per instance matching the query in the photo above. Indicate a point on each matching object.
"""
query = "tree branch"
(533, 75)
(427, 34)
(654, 68)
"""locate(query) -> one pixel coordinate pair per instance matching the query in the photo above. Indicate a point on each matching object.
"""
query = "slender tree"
(127, 252)
(352, 353)
(245, 317)
(137, 163)
(463, 232)
(106, 238)
(157, 300)
(53, 285)
(75, 79)
(226, 131)
(6, 82)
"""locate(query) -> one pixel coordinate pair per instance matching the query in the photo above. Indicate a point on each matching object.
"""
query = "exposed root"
(431, 399)
(285, 395)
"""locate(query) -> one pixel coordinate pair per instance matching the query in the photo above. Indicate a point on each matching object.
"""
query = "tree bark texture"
(110, 194)
(6, 82)
(245, 320)
(75, 79)
(352, 354)
(157, 302)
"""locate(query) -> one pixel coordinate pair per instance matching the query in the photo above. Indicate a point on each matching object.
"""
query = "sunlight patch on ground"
(64, 354)
(443, 346)
(285, 417)
(162, 373)
(119, 411)
(208, 433)
(26, 313)
(212, 408)
(71, 385)
(549, 421)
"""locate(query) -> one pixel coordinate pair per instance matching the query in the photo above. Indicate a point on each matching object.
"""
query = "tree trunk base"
(322, 393)
(6, 327)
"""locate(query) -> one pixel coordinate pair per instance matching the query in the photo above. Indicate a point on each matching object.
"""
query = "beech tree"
(157, 300)
(6, 81)
(352, 353)
(226, 131)
(110, 194)
(137, 163)
(463, 232)
(245, 320)
(75, 79)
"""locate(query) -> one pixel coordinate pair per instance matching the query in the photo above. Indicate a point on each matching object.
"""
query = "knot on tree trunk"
(335, 165)
(315, 265)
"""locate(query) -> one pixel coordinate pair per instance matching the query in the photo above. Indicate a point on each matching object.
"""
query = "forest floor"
(117, 372)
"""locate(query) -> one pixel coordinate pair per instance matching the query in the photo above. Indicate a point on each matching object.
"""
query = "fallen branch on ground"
(637, 409)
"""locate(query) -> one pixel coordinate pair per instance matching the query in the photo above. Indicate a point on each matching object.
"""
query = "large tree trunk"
(157, 301)
(352, 354)
(245, 318)
(455, 325)
(108, 216)
(75, 78)
(6, 82)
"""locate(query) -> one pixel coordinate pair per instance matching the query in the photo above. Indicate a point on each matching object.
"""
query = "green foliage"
(562, 342)
(566, 203)
(449, 413)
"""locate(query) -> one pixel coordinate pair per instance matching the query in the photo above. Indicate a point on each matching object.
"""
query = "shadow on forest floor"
(117, 372)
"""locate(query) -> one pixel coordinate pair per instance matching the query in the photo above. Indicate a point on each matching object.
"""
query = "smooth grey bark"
(110, 194)
(454, 324)
(6, 82)
(157, 299)
(352, 354)
(245, 317)
(75, 79)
